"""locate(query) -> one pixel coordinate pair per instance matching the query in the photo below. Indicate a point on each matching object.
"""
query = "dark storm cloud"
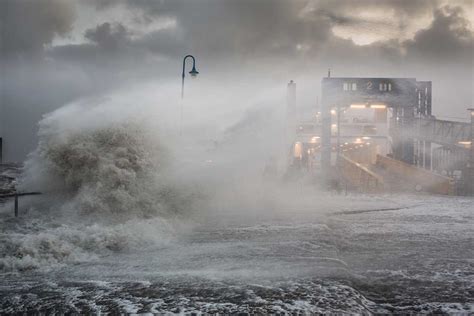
(27, 25)
(230, 29)
(255, 35)
(108, 36)
(236, 28)
(448, 37)
(253, 29)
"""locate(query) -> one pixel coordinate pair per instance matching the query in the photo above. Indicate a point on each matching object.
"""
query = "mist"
(72, 59)
(123, 193)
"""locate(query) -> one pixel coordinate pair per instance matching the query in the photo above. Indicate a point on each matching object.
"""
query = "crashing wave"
(106, 184)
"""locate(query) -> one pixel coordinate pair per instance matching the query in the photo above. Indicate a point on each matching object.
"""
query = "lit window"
(385, 87)
(345, 86)
(354, 86)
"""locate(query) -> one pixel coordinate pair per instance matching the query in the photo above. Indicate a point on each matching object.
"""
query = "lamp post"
(193, 73)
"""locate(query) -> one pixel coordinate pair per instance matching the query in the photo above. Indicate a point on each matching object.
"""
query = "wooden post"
(16, 205)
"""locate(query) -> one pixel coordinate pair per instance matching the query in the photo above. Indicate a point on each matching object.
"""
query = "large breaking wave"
(106, 184)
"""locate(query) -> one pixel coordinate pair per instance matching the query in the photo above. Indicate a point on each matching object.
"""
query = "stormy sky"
(57, 51)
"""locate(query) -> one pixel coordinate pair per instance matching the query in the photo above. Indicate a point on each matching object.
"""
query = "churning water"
(131, 222)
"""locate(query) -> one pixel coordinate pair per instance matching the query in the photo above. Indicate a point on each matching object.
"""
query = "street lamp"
(193, 72)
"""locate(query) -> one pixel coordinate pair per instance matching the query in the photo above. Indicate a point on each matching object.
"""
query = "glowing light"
(314, 139)
(366, 137)
(358, 141)
(466, 142)
(298, 150)
(333, 112)
(378, 106)
(358, 106)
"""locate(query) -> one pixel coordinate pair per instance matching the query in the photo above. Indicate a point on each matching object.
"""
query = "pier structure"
(382, 131)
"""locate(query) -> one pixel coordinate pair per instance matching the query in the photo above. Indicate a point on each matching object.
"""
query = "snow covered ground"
(313, 252)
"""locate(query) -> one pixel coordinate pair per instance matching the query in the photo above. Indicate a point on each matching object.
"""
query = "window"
(347, 86)
(385, 86)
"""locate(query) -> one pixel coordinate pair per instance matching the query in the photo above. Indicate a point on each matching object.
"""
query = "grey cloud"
(108, 36)
(449, 36)
(294, 37)
(237, 28)
(27, 25)
(291, 29)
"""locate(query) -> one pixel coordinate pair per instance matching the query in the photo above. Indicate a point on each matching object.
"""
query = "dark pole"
(326, 132)
(193, 72)
(471, 155)
(338, 132)
(16, 205)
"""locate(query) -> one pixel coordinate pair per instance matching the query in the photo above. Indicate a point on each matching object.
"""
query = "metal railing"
(359, 176)
(16, 195)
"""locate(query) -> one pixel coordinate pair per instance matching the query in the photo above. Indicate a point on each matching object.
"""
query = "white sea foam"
(106, 186)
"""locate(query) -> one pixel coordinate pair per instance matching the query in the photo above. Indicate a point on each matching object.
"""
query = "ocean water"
(387, 257)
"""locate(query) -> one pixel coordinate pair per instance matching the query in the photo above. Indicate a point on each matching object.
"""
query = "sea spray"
(107, 187)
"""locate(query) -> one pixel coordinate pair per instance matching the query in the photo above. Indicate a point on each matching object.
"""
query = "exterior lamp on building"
(358, 106)
(367, 106)
(298, 150)
(378, 106)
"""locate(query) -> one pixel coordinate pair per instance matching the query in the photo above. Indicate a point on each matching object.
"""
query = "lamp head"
(194, 72)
